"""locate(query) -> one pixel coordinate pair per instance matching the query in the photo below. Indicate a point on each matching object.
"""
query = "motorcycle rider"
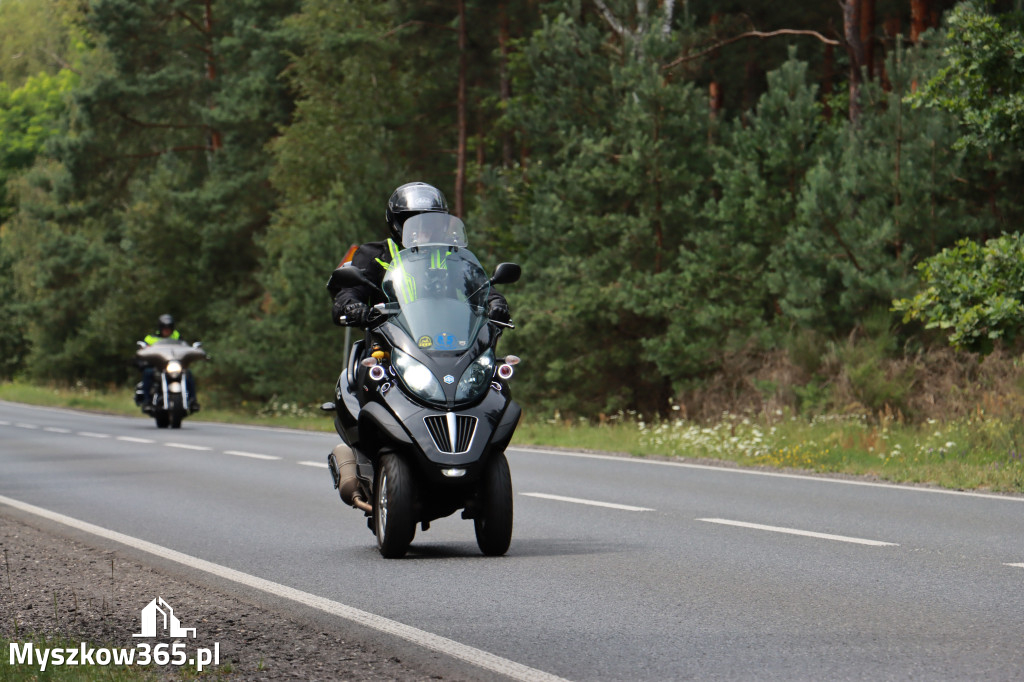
(373, 258)
(165, 330)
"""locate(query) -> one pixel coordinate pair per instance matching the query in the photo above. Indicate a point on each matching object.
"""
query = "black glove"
(355, 314)
(498, 311)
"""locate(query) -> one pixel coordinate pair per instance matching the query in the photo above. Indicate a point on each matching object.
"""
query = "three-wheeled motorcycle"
(423, 405)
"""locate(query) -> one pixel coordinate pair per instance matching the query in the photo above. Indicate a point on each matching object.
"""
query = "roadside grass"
(979, 452)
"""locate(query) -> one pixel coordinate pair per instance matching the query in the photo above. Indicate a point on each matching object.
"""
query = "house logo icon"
(159, 611)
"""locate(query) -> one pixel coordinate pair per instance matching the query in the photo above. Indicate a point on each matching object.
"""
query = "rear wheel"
(493, 522)
(394, 506)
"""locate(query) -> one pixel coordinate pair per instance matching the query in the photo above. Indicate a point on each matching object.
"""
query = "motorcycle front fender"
(374, 416)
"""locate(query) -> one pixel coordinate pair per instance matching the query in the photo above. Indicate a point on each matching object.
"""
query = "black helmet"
(412, 199)
(167, 321)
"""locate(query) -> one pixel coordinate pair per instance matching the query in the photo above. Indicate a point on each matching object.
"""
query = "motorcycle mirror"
(197, 344)
(506, 273)
(140, 344)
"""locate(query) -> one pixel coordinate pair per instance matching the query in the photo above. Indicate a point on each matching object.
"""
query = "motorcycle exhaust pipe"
(342, 463)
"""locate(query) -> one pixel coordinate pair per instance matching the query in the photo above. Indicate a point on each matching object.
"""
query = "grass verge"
(979, 452)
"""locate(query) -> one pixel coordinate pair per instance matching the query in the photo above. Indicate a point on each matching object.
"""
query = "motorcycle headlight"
(476, 378)
(174, 367)
(415, 375)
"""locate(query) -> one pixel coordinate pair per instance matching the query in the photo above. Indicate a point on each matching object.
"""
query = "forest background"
(718, 206)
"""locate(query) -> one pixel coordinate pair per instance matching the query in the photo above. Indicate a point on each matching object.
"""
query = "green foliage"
(36, 37)
(973, 293)
(29, 115)
(983, 80)
(875, 198)
(218, 166)
(157, 187)
(603, 205)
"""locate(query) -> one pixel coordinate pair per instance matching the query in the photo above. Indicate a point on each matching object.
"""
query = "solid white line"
(186, 446)
(478, 657)
(55, 429)
(773, 474)
(90, 434)
(592, 503)
(322, 465)
(805, 533)
(239, 453)
(130, 439)
(1015, 565)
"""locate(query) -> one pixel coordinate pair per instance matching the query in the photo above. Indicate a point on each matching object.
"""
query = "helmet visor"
(418, 197)
(433, 228)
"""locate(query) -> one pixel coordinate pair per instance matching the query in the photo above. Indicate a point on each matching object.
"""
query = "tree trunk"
(214, 139)
(460, 161)
(867, 36)
(920, 13)
(828, 73)
(855, 48)
(504, 86)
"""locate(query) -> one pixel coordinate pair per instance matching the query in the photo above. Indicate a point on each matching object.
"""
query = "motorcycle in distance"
(423, 405)
(169, 400)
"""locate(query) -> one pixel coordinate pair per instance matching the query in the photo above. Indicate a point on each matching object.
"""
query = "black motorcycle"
(170, 398)
(424, 406)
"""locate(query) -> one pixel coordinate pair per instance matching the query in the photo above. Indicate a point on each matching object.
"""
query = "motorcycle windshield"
(442, 295)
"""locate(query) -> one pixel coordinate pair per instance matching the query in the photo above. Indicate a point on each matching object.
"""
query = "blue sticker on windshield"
(445, 341)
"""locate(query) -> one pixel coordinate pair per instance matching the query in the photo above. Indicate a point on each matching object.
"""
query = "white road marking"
(773, 474)
(3, 423)
(428, 640)
(239, 453)
(55, 429)
(805, 533)
(1015, 565)
(186, 446)
(90, 434)
(22, 425)
(592, 503)
(130, 439)
(322, 465)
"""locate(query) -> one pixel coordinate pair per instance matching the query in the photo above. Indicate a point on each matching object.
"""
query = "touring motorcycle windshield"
(441, 292)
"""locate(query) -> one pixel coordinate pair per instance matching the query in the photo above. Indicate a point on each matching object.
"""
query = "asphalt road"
(619, 569)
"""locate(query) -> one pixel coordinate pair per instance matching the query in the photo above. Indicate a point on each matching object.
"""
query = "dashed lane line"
(252, 455)
(592, 503)
(321, 465)
(149, 441)
(805, 533)
(478, 657)
(1015, 565)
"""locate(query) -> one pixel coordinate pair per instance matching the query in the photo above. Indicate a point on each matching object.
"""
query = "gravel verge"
(57, 585)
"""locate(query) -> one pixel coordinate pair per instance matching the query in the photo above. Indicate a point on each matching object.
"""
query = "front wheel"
(493, 522)
(394, 506)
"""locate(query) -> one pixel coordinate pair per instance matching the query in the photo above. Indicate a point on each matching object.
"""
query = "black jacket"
(366, 259)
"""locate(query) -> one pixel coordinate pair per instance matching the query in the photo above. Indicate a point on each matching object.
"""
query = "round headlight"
(476, 378)
(174, 367)
(415, 375)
